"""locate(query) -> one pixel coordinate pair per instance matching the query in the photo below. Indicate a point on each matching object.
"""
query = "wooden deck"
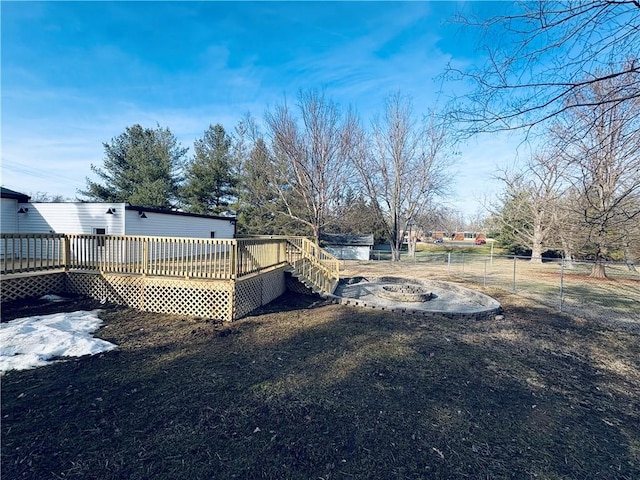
(213, 278)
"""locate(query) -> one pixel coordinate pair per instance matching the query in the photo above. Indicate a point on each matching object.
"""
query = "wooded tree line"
(314, 169)
(566, 73)
(580, 193)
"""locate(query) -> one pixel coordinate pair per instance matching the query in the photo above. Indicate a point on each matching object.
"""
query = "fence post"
(283, 251)
(561, 284)
(484, 278)
(514, 273)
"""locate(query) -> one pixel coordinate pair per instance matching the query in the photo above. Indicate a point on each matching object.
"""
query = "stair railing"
(313, 264)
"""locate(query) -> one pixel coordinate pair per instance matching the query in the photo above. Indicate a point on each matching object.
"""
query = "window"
(100, 231)
(213, 235)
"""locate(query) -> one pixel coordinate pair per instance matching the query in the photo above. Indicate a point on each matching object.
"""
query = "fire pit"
(427, 297)
(405, 293)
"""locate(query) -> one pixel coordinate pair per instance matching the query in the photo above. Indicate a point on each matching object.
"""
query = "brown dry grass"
(614, 300)
(308, 390)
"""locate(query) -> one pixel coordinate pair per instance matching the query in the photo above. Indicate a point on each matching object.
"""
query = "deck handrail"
(223, 259)
(313, 263)
(30, 252)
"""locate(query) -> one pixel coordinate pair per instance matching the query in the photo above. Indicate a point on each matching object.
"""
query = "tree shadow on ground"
(327, 391)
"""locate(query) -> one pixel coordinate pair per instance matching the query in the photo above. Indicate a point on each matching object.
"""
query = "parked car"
(438, 240)
(480, 241)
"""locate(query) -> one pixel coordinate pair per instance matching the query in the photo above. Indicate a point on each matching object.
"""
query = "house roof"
(350, 240)
(175, 212)
(20, 197)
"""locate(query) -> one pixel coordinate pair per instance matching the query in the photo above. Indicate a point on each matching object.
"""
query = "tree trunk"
(395, 241)
(316, 234)
(536, 244)
(536, 253)
(628, 259)
(395, 252)
(567, 254)
(412, 247)
(598, 270)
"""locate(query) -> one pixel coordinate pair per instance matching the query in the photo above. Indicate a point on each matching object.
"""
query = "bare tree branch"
(600, 146)
(310, 153)
(540, 55)
(405, 167)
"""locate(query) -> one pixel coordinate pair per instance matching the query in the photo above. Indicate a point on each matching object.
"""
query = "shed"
(348, 247)
(110, 219)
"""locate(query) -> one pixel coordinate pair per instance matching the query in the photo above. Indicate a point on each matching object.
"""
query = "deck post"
(233, 259)
(66, 252)
(145, 256)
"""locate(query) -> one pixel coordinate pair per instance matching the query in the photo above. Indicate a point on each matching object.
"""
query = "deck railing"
(165, 256)
(31, 252)
(256, 254)
(224, 259)
(313, 263)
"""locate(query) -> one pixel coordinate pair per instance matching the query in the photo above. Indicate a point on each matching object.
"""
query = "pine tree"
(261, 210)
(141, 167)
(210, 181)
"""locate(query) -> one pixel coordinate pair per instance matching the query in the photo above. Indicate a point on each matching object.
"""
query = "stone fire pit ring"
(405, 293)
(447, 299)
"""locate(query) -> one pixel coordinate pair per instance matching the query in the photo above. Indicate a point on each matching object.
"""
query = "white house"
(21, 216)
(9, 200)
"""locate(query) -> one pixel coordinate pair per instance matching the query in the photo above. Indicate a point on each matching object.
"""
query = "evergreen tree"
(355, 215)
(210, 182)
(141, 167)
(261, 210)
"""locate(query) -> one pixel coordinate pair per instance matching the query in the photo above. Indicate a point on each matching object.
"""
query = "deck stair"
(315, 268)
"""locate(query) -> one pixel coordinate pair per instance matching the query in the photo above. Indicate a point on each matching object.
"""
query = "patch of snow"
(52, 298)
(33, 341)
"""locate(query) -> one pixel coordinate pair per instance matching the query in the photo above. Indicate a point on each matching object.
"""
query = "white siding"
(9, 215)
(72, 218)
(168, 225)
(85, 218)
(347, 252)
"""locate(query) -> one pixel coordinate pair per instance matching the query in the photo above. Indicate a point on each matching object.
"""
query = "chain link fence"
(559, 284)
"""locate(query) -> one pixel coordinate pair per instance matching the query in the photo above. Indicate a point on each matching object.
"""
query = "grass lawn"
(309, 390)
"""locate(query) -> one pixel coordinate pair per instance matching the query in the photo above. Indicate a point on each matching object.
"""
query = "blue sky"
(75, 74)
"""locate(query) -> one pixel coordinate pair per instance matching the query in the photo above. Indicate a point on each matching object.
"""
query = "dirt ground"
(306, 389)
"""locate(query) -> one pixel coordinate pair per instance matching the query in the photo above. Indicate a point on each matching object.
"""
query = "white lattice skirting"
(217, 299)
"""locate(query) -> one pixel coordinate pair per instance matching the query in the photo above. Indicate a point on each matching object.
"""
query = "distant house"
(348, 247)
(21, 216)
(462, 236)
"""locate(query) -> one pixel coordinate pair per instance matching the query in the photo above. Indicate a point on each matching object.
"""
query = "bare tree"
(443, 218)
(570, 232)
(312, 154)
(405, 167)
(530, 203)
(45, 197)
(539, 54)
(600, 146)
